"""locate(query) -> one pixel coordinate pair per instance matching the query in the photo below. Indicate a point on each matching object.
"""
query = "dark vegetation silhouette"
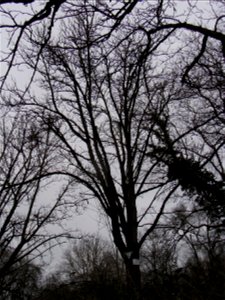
(92, 270)
(125, 101)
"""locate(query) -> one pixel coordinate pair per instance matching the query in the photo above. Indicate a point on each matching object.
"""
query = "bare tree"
(160, 257)
(157, 17)
(26, 213)
(201, 271)
(103, 109)
(22, 282)
(93, 268)
(20, 22)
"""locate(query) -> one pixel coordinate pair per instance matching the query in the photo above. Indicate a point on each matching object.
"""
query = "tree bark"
(133, 278)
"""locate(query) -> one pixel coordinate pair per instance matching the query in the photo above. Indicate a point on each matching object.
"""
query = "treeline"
(91, 268)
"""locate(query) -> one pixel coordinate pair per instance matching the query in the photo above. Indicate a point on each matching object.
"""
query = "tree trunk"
(133, 278)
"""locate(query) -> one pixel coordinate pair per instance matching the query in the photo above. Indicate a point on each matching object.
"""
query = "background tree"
(201, 275)
(22, 282)
(26, 214)
(159, 263)
(90, 269)
(175, 266)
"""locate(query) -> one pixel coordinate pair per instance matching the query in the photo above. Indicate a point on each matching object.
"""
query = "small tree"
(90, 269)
(93, 269)
(160, 256)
